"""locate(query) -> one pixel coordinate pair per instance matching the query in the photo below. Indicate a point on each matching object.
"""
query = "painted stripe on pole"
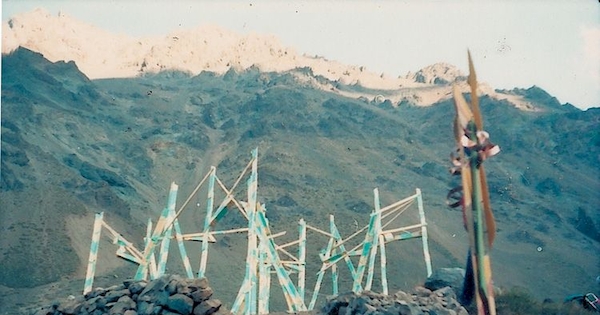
(424, 233)
(253, 241)
(263, 287)
(239, 303)
(147, 239)
(383, 259)
(121, 252)
(166, 239)
(302, 259)
(375, 240)
(93, 258)
(367, 243)
(207, 218)
(150, 251)
(336, 235)
(320, 274)
(334, 272)
(294, 301)
(182, 251)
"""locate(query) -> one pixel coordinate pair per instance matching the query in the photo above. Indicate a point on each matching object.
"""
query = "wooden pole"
(184, 257)
(247, 294)
(377, 232)
(93, 258)
(264, 281)
(383, 259)
(334, 273)
(166, 239)
(253, 238)
(341, 248)
(159, 230)
(366, 249)
(302, 259)
(290, 291)
(424, 233)
(207, 222)
(324, 255)
(152, 263)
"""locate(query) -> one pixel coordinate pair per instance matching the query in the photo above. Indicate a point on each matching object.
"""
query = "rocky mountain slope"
(214, 49)
(72, 147)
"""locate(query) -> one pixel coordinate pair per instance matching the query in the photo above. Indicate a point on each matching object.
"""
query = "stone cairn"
(421, 302)
(437, 297)
(168, 295)
(175, 295)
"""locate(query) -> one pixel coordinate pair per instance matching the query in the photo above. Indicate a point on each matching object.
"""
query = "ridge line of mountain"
(215, 49)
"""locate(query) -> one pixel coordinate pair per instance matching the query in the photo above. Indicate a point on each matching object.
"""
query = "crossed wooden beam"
(264, 256)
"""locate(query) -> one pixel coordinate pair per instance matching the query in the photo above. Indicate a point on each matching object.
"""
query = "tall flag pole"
(473, 149)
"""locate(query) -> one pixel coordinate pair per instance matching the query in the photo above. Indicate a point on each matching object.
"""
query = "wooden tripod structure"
(264, 256)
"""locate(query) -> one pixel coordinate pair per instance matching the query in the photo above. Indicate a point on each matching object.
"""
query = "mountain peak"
(205, 48)
(215, 49)
(438, 73)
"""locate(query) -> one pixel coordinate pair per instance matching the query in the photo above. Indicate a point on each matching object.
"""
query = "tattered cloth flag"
(474, 147)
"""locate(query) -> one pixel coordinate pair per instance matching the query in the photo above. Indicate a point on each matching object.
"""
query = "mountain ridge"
(211, 48)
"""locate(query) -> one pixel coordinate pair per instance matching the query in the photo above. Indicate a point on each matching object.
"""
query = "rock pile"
(168, 295)
(421, 302)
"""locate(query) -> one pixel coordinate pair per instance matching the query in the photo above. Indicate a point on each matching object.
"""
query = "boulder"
(201, 295)
(137, 287)
(446, 277)
(201, 283)
(180, 304)
(145, 308)
(124, 304)
(207, 307)
(71, 306)
(154, 286)
(112, 296)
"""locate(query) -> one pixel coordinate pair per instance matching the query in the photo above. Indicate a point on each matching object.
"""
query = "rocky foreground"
(173, 295)
(421, 302)
(166, 295)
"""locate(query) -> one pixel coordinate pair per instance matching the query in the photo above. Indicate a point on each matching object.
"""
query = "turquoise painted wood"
(93, 258)
(324, 256)
(383, 258)
(152, 263)
(302, 259)
(376, 233)
(166, 236)
(366, 249)
(142, 271)
(341, 248)
(182, 251)
(207, 221)
(426, 254)
(263, 255)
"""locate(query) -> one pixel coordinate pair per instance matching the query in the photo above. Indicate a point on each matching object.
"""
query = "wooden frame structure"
(264, 256)
(375, 237)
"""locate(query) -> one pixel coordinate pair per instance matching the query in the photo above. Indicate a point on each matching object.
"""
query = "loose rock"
(180, 303)
(420, 302)
(446, 277)
(167, 295)
(207, 307)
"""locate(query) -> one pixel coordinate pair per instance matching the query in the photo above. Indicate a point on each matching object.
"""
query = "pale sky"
(551, 44)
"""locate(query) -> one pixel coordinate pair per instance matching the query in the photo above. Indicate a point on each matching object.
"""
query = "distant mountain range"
(100, 54)
(74, 144)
